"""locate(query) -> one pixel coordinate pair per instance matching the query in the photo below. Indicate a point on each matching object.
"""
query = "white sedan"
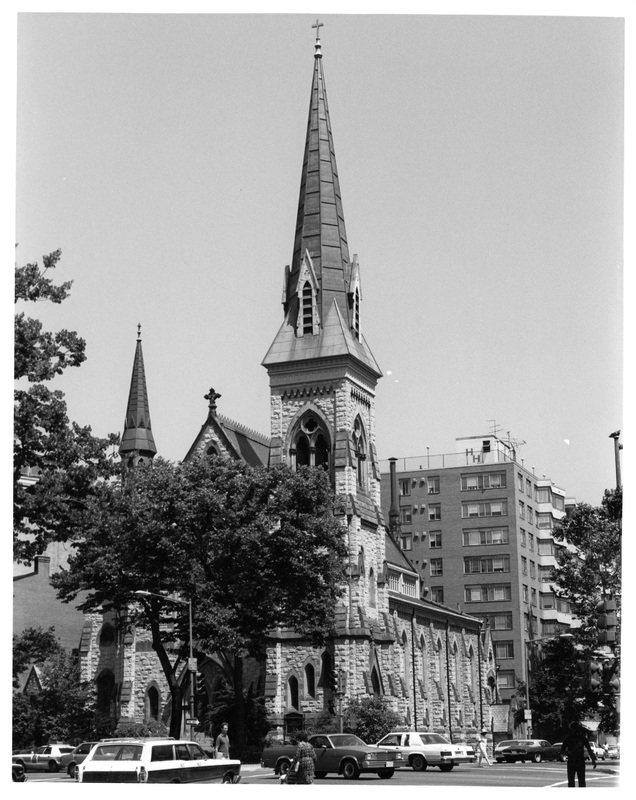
(421, 749)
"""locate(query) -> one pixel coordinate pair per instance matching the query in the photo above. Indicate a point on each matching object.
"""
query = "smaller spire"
(318, 26)
(137, 440)
(139, 331)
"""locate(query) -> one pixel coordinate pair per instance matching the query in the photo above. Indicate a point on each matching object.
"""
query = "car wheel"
(321, 774)
(536, 758)
(446, 767)
(22, 764)
(418, 763)
(70, 770)
(350, 770)
(283, 767)
(499, 760)
(228, 777)
(386, 773)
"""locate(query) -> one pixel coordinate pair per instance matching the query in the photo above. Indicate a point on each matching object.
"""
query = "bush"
(370, 719)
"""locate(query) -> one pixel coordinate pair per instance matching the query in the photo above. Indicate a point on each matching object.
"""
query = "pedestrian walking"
(482, 749)
(222, 744)
(305, 758)
(573, 747)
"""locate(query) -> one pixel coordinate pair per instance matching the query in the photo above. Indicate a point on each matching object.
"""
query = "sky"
(481, 169)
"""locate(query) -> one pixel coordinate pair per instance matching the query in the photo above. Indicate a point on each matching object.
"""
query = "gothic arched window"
(360, 449)
(310, 445)
(105, 692)
(292, 696)
(310, 681)
(152, 703)
(373, 595)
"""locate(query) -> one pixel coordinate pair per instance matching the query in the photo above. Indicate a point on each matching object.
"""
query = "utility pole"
(617, 448)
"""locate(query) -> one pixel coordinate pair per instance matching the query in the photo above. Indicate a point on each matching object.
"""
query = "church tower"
(323, 378)
(137, 443)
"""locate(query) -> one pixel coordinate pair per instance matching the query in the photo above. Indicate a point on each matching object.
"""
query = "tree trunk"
(176, 691)
(239, 700)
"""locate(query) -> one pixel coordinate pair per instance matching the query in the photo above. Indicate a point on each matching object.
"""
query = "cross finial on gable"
(318, 26)
(212, 397)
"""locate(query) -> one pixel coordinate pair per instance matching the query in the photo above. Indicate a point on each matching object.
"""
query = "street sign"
(527, 715)
(192, 664)
(191, 721)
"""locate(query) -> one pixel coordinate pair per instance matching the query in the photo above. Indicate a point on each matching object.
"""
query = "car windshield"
(510, 743)
(346, 740)
(433, 738)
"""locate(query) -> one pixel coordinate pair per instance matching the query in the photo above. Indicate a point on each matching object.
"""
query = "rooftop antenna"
(495, 428)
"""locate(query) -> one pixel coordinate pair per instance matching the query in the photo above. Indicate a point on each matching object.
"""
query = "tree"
(64, 709)
(594, 569)
(33, 645)
(252, 549)
(370, 718)
(65, 457)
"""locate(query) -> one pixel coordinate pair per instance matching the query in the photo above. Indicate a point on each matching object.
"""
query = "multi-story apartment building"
(478, 525)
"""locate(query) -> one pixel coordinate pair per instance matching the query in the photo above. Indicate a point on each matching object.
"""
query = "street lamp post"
(530, 643)
(191, 662)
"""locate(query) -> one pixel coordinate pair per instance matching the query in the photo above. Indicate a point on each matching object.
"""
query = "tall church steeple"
(321, 292)
(137, 441)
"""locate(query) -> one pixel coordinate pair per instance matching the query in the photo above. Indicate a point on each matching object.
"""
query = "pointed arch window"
(356, 312)
(373, 589)
(375, 682)
(292, 692)
(310, 681)
(360, 449)
(310, 444)
(152, 704)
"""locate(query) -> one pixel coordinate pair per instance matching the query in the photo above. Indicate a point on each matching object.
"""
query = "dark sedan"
(534, 750)
(17, 773)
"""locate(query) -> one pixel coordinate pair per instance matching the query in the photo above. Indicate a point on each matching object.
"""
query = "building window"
(435, 540)
(558, 502)
(310, 681)
(434, 512)
(522, 510)
(433, 485)
(407, 542)
(504, 650)
(531, 542)
(528, 487)
(373, 597)
(405, 487)
(360, 449)
(486, 564)
(437, 594)
(520, 481)
(409, 585)
(546, 574)
(308, 308)
(436, 567)
(483, 480)
(479, 536)
(545, 547)
(310, 444)
(394, 581)
(544, 521)
(541, 495)
(533, 596)
(493, 508)
(406, 515)
(522, 534)
(499, 622)
(524, 565)
(487, 593)
(547, 600)
(152, 704)
(292, 692)
(533, 570)
(506, 679)
(524, 593)
(530, 516)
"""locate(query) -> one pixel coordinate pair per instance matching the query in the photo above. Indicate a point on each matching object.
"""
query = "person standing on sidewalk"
(482, 749)
(573, 747)
(222, 744)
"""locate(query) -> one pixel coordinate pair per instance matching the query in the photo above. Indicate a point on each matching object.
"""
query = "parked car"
(17, 773)
(421, 749)
(613, 751)
(45, 758)
(70, 760)
(154, 761)
(534, 750)
(598, 751)
(341, 753)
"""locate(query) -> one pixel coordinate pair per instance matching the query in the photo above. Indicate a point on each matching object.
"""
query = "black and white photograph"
(320, 366)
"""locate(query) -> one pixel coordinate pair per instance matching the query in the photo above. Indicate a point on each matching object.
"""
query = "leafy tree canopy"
(370, 718)
(252, 549)
(33, 645)
(65, 458)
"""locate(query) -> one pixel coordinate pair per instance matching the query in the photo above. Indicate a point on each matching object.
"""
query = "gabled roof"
(240, 441)
(137, 436)
(395, 556)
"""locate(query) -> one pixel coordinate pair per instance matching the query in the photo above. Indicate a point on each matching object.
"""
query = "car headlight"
(369, 756)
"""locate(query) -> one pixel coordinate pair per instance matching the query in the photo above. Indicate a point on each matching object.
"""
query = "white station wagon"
(155, 761)
(421, 749)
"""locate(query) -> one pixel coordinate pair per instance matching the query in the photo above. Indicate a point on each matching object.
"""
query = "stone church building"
(434, 664)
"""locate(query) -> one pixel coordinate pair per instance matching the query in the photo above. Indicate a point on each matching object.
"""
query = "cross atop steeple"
(318, 26)
(212, 397)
